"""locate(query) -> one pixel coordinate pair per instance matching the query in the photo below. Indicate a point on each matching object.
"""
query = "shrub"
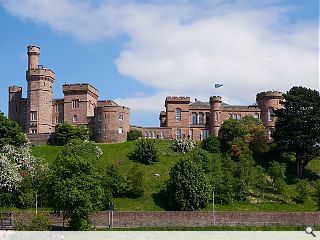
(204, 159)
(303, 191)
(211, 144)
(134, 134)
(188, 188)
(115, 182)
(65, 132)
(277, 172)
(183, 145)
(39, 222)
(145, 152)
(135, 182)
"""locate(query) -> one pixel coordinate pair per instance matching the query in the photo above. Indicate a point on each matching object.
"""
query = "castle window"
(178, 114)
(161, 134)
(204, 133)
(194, 118)
(59, 108)
(105, 116)
(234, 116)
(99, 117)
(75, 118)
(146, 134)
(58, 119)
(75, 103)
(99, 130)
(207, 117)
(33, 116)
(154, 135)
(178, 133)
(217, 116)
(256, 115)
(120, 117)
(190, 133)
(270, 114)
(271, 132)
(33, 130)
(200, 118)
(238, 116)
(150, 135)
(120, 130)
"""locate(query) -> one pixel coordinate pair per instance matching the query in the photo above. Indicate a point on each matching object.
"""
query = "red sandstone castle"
(39, 114)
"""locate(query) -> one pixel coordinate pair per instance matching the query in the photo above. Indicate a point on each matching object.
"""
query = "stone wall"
(41, 138)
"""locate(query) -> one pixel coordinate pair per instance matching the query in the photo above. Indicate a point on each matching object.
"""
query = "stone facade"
(39, 114)
(199, 119)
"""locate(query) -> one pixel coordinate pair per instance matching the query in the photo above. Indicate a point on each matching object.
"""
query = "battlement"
(78, 87)
(177, 99)
(15, 89)
(215, 99)
(269, 94)
(33, 49)
(41, 71)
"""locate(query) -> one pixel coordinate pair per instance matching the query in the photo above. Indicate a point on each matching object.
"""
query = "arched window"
(154, 135)
(190, 133)
(146, 134)
(217, 116)
(161, 134)
(194, 118)
(200, 118)
(270, 114)
(150, 136)
(178, 114)
(178, 133)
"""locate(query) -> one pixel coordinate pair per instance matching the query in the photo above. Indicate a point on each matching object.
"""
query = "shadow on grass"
(161, 200)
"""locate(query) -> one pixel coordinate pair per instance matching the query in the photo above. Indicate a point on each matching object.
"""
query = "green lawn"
(117, 154)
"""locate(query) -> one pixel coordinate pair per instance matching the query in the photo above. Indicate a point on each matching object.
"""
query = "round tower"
(40, 80)
(33, 57)
(268, 102)
(215, 115)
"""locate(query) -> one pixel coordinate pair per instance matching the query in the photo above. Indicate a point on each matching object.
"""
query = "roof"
(205, 104)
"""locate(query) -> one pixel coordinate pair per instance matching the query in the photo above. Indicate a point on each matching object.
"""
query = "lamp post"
(213, 213)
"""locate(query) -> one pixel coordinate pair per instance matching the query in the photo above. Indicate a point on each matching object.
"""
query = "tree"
(75, 183)
(230, 130)
(188, 188)
(115, 182)
(65, 132)
(135, 181)
(277, 172)
(10, 132)
(297, 127)
(145, 152)
(211, 144)
(134, 134)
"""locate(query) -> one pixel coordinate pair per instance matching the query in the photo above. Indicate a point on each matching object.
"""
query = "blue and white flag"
(217, 85)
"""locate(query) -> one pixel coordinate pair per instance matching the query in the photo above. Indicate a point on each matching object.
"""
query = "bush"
(65, 132)
(204, 159)
(211, 144)
(303, 191)
(134, 134)
(38, 222)
(183, 145)
(135, 181)
(277, 172)
(145, 152)
(115, 182)
(188, 188)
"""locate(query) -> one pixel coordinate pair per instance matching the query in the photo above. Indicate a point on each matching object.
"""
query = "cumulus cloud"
(184, 48)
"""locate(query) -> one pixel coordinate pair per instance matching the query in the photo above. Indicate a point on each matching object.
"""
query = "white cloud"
(181, 48)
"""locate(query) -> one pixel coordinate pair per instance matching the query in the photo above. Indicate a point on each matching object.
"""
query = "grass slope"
(117, 154)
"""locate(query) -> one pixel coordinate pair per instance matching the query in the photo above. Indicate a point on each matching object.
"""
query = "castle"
(39, 114)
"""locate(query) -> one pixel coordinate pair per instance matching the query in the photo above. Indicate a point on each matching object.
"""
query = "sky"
(137, 52)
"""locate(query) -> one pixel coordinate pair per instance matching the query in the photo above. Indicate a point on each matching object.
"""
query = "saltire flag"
(217, 85)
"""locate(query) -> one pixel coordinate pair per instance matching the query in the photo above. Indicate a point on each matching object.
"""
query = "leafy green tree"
(134, 134)
(303, 191)
(204, 159)
(298, 126)
(188, 187)
(230, 130)
(145, 152)
(277, 172)
(211, 144)
(115, 182)
(65, 132)
(10, 132)
(76, 188)
(135, 182)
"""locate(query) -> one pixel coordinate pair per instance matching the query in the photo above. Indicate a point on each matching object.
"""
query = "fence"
(6, 220)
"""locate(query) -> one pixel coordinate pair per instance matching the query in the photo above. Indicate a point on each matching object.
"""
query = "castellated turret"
(39, 103)
(268, 102)
(215, 115)
(15, 95)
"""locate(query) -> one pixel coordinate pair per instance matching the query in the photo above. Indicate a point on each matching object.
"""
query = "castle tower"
(268, 102)
(39, 103)
(15, 94)
(215, 115)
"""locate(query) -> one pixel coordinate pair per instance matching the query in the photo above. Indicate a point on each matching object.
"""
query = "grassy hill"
(117, 154)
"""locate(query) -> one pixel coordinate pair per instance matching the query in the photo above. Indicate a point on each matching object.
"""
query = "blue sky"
(138, 52)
